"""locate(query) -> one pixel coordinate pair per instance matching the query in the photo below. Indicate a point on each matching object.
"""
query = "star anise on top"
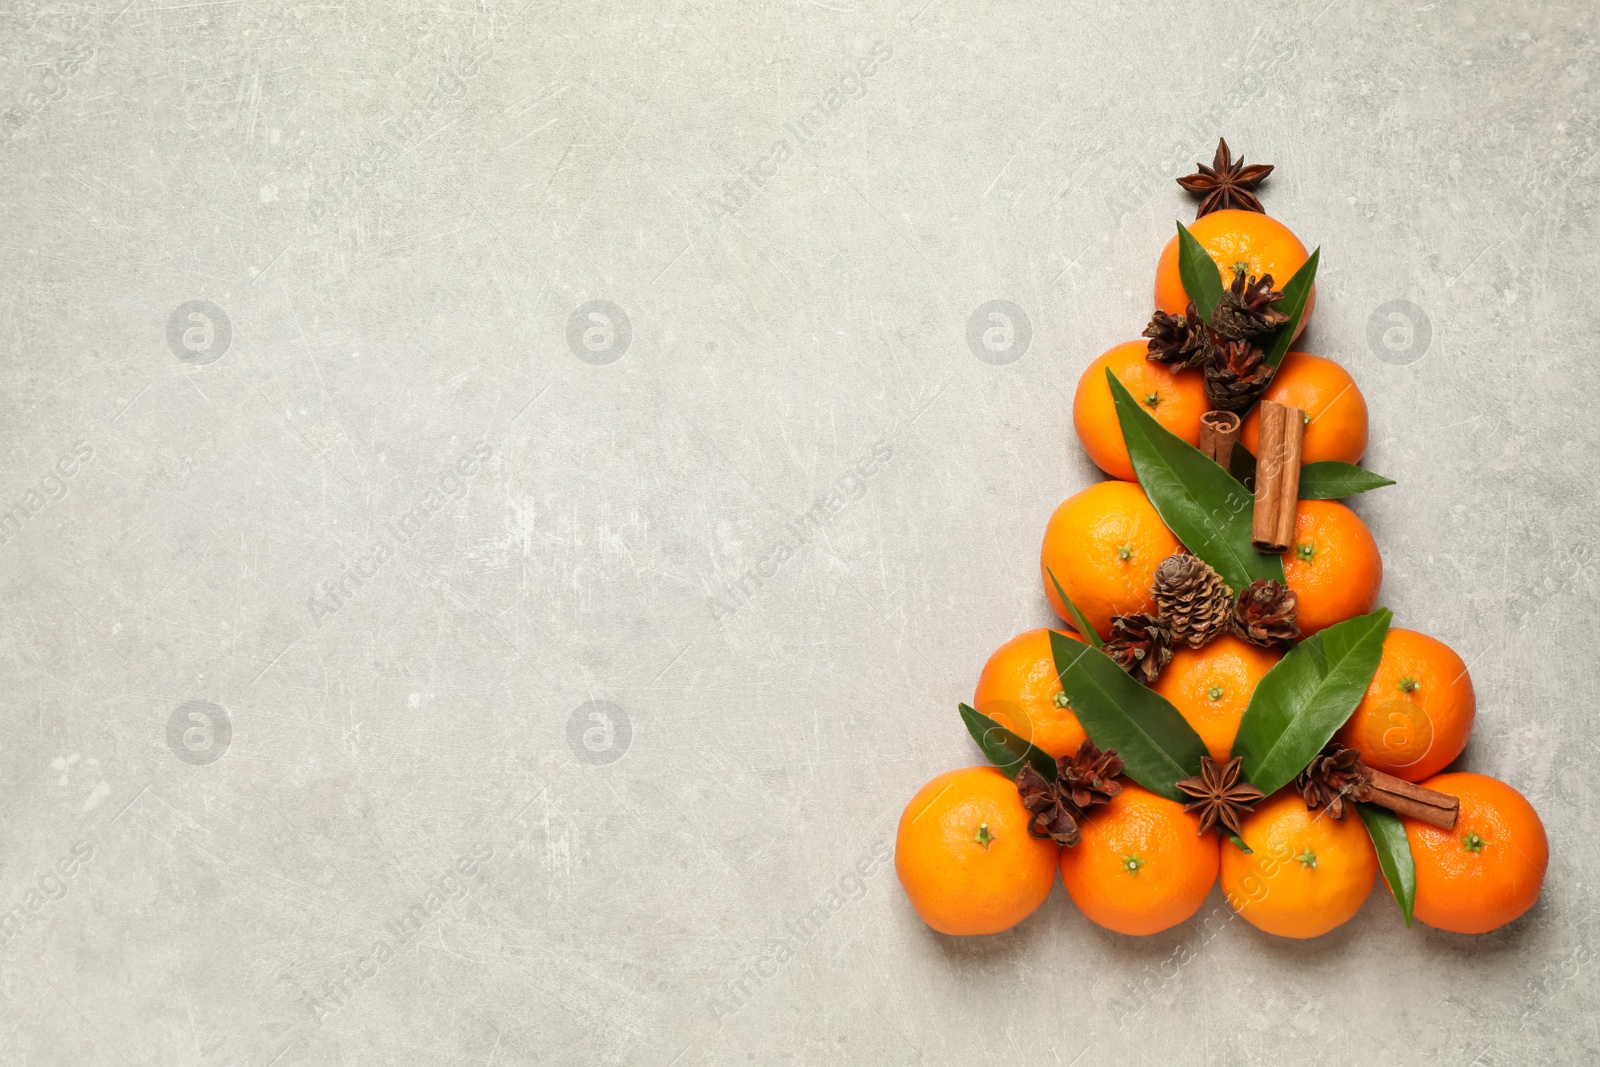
(1220, 797)
(1226, 184)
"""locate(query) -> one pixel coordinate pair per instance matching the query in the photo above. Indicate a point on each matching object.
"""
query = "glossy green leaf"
(1202, 504)
(1079, 621)
(1005, 749)
(1293, 304)
(1307, 695)
(1331, 480)
(1394, 854)
(1242, 465)
(1157, 745)
(1199, 274)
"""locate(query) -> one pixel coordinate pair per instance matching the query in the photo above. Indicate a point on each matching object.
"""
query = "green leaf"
(1005, 749)
(1307, 695)
(1331, 480)
(1394, 854)
(1199, 501)
(1079, 621)
(1199, 274)
(1157, 745)
(1242, 465)
(1293, 304)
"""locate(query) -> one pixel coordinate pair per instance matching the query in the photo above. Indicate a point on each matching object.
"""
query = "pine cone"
(1330, 778)
(1140, 645)
(1236, 376)
(1089, 777)
(1054, 817)
(1245, 310)
(1179, 340)
(1265, 614)
(1194, 602)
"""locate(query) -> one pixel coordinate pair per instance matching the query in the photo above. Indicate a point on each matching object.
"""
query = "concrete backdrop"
(420, 645)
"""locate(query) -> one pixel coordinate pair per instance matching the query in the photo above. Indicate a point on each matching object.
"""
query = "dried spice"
(1226, 183)
(1194, 603)
(1220, 797)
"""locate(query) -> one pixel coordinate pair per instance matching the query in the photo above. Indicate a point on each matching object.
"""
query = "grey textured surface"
(393, 828)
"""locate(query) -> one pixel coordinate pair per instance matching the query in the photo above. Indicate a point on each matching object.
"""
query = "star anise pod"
(1054, 817)
(1245, 310)
(1220, 797)
(1140, 644)
(1265, 613)
(1226, 184)
(1179, 340)
(1089, 777)
(1236, 376)
(1330, 778)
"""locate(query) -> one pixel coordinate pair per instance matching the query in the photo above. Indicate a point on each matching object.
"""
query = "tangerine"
(1103, 545)
(1142, 865)
(1308, 872)
(1486, 871)
(964, 855)
(1176, 398)
(1211, 686)
(1234, 238)
(1333, 567)
(1020, 690)
(1336, 412)
(1417, 711)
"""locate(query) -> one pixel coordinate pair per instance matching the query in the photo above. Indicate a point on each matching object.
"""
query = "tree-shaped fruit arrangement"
(1228, 701)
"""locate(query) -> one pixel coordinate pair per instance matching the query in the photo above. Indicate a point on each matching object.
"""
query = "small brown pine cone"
(1089, 777)
(1236, 376)
(1179, 340)
(1265, 614)
(1245, 310)
(1330, 779)
(1053, 816)
(1140, 645)
(1194, 602)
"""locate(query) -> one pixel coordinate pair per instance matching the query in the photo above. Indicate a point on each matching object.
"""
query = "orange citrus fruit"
(1211, 686)
(1142, 865)
(1328, 395)
(1233, 237)
(1489, 869)
(1103, 545)
(1308, 872)
(1176, 398)
(965, 857)
(1333, 566)
(1417, 712)
(1020, 690)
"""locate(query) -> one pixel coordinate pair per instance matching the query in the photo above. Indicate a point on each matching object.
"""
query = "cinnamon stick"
(1408, 799)
(1219, 431)
(1277, 477)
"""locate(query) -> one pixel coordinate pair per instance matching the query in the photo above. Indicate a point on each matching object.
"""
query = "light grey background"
(397, 209)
